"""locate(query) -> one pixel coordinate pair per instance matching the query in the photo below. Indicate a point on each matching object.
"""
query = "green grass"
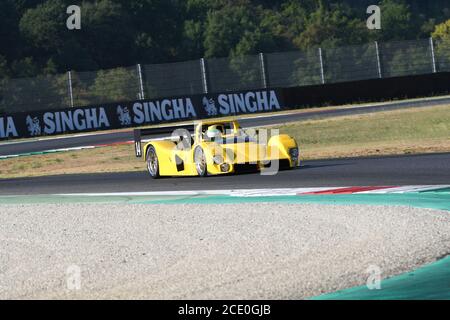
(400, 131)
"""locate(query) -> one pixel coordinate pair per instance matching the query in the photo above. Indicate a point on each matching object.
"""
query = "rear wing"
(139, 134)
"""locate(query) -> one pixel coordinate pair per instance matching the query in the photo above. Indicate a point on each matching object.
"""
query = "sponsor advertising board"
(138, 113)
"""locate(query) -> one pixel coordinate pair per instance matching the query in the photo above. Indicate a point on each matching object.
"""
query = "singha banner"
(138, 113)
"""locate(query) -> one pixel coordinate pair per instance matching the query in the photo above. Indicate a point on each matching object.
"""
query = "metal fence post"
(69, 82)
(262, 62)
(433, 58)
(380, 75)
(204, 75)
(322, 73)
(141, 82)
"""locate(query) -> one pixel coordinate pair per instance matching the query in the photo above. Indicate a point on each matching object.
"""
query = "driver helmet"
(213, 132)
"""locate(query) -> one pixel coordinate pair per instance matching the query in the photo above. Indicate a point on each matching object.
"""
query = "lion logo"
(210, 106)
(124, 116)
(33, 126)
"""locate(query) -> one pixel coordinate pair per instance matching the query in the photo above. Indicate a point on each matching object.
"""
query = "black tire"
(200, 162)
(152, 162)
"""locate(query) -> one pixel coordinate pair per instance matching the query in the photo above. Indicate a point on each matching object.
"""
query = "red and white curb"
(337, 190)
(276, 192)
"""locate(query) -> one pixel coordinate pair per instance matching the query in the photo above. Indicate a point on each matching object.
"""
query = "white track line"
(254, 192)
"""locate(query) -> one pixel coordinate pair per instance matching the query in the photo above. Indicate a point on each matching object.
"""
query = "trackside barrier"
(147, 112)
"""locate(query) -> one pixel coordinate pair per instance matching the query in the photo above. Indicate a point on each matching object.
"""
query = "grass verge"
(406, 131)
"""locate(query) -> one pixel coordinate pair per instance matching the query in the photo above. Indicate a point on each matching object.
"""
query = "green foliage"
(306, 69)
(44, 26)
(118, 84)
(442, 36)
(226, 28)
(350, 63)
(121, 32)
(25, 67)
(9, 31)
(3, 67)
(332, 27)
(106, 23)
(442, 32)
(407, 59)
(193, 38)
(397, 22)
(37, 93)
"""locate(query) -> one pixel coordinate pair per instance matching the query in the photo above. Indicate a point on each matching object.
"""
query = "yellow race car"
(213, 148)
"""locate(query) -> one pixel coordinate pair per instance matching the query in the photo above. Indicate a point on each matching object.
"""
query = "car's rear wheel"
(200, 162)
(152, 162)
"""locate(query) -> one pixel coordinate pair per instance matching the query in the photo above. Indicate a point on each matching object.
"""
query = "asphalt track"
(72, 141)
(376, 171)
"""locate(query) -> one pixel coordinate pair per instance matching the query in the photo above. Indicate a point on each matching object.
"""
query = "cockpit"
(223, 132)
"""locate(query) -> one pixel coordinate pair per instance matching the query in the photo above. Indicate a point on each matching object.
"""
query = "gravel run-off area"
(230, 251)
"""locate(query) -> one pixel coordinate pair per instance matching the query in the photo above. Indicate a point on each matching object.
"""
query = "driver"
(213, 132)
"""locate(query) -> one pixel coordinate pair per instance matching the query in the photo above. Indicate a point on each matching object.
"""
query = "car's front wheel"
(152, 162)
(200, 162)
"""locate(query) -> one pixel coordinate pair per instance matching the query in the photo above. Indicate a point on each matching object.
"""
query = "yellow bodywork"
(234, 149)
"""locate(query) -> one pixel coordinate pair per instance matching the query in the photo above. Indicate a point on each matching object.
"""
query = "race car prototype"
(213, 148)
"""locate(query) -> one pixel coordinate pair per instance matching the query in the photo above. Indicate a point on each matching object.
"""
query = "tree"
(10, 42)
(25, 67)
(107, 34)
(121, 32)
(290, 22)
(330, 27)
(442, 32)
(44, 26)
(441, 35)
(3, 75)
(157, 28)
(193, 27)
(44, 29)
(105, 39)
(396, 20)
(3, 67)
(236, 30)
(117, 84)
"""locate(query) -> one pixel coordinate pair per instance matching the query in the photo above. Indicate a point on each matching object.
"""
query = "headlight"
(224, 167)
(218, 159)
